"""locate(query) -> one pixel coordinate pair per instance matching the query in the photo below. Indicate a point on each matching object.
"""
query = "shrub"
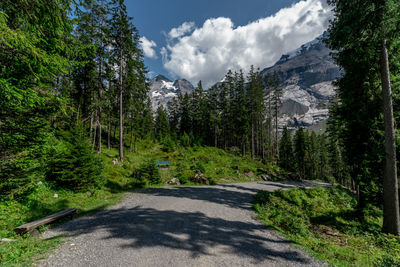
(148, 173)
(168, 144)
(185, 176)
(19, 175)
(73, 165)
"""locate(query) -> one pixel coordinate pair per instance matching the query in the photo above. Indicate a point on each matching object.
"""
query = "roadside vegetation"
(50, 195)
(326, 222)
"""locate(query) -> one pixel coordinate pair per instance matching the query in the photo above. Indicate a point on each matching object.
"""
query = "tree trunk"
(276, 133)
(131, 141)
(391, 217)
(121, 118)
(243, 145)
(94, 138)
(99, 111)
(252, 140)
(109, 134)
(215, 136)
(135, 144)
(262, 142)
(91, 126)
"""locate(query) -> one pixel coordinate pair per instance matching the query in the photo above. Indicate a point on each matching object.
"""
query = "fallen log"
(25, 228)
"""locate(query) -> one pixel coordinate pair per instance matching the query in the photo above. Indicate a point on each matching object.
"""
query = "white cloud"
(147, 47)
(208, 52)
(185, 28)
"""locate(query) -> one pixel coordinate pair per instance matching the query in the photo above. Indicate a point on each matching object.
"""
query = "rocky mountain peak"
(306, 76)
(163, 90)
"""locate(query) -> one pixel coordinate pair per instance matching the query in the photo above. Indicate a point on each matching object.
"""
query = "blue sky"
(203, 39)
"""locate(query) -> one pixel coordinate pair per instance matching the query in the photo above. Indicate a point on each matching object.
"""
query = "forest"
(74, 89)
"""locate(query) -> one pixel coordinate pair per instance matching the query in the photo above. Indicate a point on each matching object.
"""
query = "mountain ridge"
(306, 75)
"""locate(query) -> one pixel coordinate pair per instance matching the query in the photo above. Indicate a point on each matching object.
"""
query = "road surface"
(178, 226)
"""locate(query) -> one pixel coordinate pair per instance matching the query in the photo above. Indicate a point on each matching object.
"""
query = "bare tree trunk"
(243, 145)
(262, 142)
(215, 136)
(252, 140)
(135, 142)
(391, 217)
(91, 126)
(121, 118)
(276, 133)
(99, 108)
(94, 138)
(131, 141)
(109, 133)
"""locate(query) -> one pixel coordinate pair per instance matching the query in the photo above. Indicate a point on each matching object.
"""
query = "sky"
(202, 40)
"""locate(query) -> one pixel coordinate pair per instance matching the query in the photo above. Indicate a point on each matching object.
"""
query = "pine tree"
(286, 158)
(35, 49)
(300, 152)
(362, 35)
(162, 129)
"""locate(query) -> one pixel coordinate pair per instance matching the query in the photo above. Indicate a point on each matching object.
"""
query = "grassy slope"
(217, 165)
(324, 221)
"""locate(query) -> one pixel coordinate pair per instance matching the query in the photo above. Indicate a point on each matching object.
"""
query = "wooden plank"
(25, 228)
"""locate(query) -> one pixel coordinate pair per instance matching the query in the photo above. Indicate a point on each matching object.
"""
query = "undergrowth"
(324, 221)
(136, 171)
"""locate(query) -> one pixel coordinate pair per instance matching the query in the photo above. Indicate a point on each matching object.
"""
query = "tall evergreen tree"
(286, 158)
(362, 34)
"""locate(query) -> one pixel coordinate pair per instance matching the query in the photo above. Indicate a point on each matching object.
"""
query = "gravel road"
(179, 226)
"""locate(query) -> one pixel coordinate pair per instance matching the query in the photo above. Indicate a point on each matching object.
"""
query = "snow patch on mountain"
(163, 90)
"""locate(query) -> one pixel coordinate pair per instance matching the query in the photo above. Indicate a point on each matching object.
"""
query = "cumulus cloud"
(185, 28)
(206, 53)
(147, 47)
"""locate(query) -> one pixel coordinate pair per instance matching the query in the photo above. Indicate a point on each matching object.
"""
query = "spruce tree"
(286, 157)
(363, 34)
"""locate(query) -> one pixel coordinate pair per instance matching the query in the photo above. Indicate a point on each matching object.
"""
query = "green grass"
(324, 221)
(217, 165)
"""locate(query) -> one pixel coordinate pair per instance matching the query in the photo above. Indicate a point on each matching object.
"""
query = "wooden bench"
(163, 163)
(26, 228)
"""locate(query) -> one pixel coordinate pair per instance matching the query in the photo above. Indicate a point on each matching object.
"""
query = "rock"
(55, 196)
(174, 181)
(265, 177)
(199, 178)
(252, 179)
(248, 174)
(115, 161)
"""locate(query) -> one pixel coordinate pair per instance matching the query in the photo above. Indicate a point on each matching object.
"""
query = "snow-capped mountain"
(306, 76)
(163, 90)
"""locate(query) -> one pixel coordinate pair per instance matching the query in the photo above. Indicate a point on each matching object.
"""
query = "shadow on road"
(190, 231)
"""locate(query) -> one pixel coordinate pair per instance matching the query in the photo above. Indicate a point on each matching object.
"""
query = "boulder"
(248, 174)
(265, 177)
(199, 178)
(174, 181)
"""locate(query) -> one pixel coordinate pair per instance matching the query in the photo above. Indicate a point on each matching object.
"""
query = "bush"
(168, 144)
(185, 176)
(148, 173)
(19, 175)
(73, 165)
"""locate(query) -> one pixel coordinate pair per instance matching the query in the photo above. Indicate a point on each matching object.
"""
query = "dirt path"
(179, 226)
